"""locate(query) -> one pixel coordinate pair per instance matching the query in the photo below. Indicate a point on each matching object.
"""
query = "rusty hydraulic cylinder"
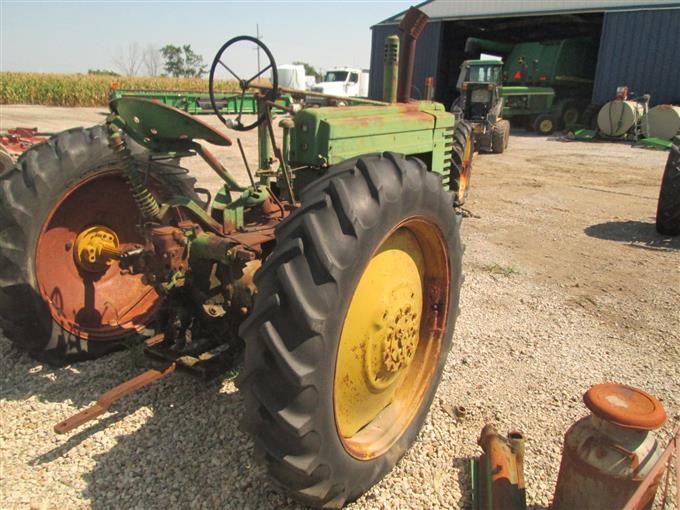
(412, 26)
(391, 69)
(501, 471)
(107, 399)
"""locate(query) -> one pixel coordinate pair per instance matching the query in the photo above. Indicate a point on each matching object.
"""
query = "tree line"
(170, 60)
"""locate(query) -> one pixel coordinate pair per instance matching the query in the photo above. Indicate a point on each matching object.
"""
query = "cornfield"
(88, 90)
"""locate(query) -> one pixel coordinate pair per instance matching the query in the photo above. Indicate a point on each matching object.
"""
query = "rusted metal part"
(501, 471)
(93, 305)
(429, 88)
(607, 455)
(217, 167)
(168, 244)
(107, 399)
(625, 406)
(645, 492)
(245, 162)
(411, 25)
(20, 139)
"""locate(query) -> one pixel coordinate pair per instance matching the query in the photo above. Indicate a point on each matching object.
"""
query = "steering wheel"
(272, 93)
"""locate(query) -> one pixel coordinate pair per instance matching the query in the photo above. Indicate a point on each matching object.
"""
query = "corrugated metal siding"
(459, 9)
(641, 50)
(427, 57)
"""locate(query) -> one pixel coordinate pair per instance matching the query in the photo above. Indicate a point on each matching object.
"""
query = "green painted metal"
(326, 136)
(522, 100)
(198, 103)
(542, 76)
(656, 143)
(391, 69)
(519, 90)
(555, 63)
(163, 129)
(585, 134)
(562, 62)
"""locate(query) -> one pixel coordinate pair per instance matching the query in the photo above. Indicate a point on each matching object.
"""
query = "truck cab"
(342, 82)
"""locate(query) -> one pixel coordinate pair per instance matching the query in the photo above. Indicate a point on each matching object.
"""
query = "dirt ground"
(568, 284)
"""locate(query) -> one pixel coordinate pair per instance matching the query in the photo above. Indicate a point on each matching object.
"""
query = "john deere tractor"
(480, 104)
(338, 266)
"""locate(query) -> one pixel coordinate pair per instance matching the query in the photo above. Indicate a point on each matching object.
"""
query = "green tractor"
(546, 85)
(337, 268)
(481, 105)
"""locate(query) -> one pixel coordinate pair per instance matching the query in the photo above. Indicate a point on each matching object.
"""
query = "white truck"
(341, 81)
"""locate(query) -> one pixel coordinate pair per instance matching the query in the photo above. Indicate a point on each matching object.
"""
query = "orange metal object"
(625, 406)
(107, 399)
(647, 488)
(501, 470)
(93, 305)
(20, 139)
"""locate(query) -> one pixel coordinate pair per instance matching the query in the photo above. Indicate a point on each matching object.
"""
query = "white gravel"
(524, 353)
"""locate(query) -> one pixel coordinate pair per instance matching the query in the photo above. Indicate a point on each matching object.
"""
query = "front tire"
(69, 185)
(668, 207)
(462, 153)
(376, 242)
(544, 124)
(499, 136)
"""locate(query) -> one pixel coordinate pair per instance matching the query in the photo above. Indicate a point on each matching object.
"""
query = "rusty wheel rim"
(101, 302)
(466, 168)
(391, 339)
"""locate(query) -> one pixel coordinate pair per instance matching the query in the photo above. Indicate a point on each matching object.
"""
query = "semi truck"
(342, 82)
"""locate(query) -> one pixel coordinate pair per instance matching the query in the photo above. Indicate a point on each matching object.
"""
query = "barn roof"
(439, 10)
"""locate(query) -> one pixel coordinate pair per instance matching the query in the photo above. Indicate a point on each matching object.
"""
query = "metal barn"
(639, 41)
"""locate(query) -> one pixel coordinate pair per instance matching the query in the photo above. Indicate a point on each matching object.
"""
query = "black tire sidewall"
(42, 177)
(359, 472)
(420, 195)
(668, 205)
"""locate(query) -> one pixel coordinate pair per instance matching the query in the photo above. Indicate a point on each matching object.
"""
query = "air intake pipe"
(412, 26)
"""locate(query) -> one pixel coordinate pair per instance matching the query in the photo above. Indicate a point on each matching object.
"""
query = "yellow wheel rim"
(546, 125)
(391, 339)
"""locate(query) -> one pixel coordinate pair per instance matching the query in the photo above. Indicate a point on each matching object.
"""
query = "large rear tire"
(69, 185)
(351, 327)
(462, 152)
(668, 207)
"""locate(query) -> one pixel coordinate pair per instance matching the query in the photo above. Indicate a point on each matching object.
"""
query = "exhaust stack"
(412, 26)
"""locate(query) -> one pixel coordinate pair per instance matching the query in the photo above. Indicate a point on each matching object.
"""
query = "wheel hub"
(380, 334)
(94, 248)
(393, 344)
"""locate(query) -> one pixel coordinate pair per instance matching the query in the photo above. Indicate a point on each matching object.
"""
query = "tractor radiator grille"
(448, 152)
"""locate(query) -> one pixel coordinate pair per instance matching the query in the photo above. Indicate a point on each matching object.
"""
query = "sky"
(74, 36)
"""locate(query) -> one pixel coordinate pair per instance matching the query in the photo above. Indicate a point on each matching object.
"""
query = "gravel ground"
(567, 285)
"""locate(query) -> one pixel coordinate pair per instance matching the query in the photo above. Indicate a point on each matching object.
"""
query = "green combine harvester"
(336, 270)
(546, 85)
